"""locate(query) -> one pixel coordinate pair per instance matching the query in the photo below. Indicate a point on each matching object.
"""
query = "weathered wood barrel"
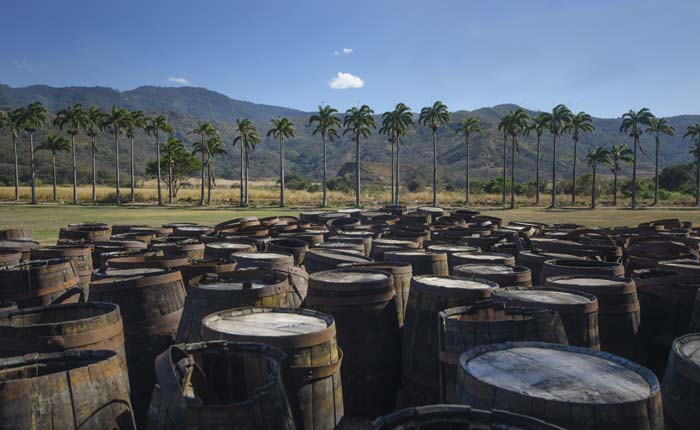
(318, 260)
(482, 258)
(79, 254)
(578, 310)
(151, 306)
(343, 246)
(56, 328)
(7, 305)
(226, 249)
(618, 311)
(313, 239)
(419, 359)
(380, 246)
(41, 282)
(535, 260)
(126, 228)
(65, 390)
(216, 385)
(172, 246)
(158, 231)
(193, 231)
(193, 272)
(10, 258)
(458, 417)
(288, 245)
(84, 232)
(242, 288)
(309, 340)
(681, 384)
(578, 267)
(262, 259)
(146, 261)
(23, 246)
(576, 388)
(504, 276)
(363, 304)
(682, 267)
(125, 273)
(111, 247)
(695, 318)
(16, 234)
(465, 327)
(362, 238)
(401, 272)
(422, 262)
(142, 236)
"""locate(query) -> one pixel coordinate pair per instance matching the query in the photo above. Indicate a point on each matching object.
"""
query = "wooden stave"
(79, 254)
(580, 267)
(681, 387)
(519, 276)
(296, 247)
(41, 282)
(425, 263)
(320, 260)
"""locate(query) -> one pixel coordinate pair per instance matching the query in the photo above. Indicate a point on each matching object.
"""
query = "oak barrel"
(178, 246)
(9, 258)
(504, 276)
(23, 246)
(16, 234)
(380, 246)
(422, 262)
(578, 267)
(363, 238)
(288, 245)
(226, 249)
(41, 282)
(535, 260)
(79, 254)
(318, 260)
(681, 384)
(195, 270)
(483, 258)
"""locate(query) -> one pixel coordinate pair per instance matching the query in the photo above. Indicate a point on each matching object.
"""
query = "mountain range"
(185, 106)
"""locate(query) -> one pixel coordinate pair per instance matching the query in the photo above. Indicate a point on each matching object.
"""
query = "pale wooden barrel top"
(592, 282)
(452, 282)
(348, 277)
(266, 324)
(229, 245)
(261, 255)
(488, 270)
(233, 286)
(545, 296)
(691, 348)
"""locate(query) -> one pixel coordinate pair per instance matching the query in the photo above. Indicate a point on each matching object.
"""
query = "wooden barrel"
(578, 267)
(318, 260)
(422, 262)
(16, 234)
(309, 340)
(193, 272)
(419, 359)
(578, 310)
(465, 327)
(576, 388)
(535, 260)
(682, 267)
(262, 259)
(380, 246)
(10, 258)
(148, 261)
(65, 390)
(126, 273)
(193, 231)
(23, 246)
(7, 305)
(313, 239)
(363, 304)
(126, 228)
(80, 255)
(504, 276)
(401, 272)
(238, 289)
(142, 236)
(681, 384)
(362, 238)
(225, 250)
(458, 417)
(618, 311)
(115, 246)
(41, 282)
(101, 262)
(190, 248)
(158, 231)
(288, 245)
(482, 258)
(343, 246)
(56, 328)
(695, 318)
(84, 232)
(151, 306)
(216, 385)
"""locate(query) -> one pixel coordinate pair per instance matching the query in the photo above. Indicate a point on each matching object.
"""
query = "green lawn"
(45, 220)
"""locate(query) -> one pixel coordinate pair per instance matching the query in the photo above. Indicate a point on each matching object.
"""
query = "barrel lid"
(487, 256)
(688, 347)
(453, 282)
(344, 255)
(572, 262)
(559, 373)
(411, 253)
(593, 281)
(261, 255)
(452, 248)
(129, 272)
(485, 269)
(266, 324)
(393, 242)
(549, 255)
(544, 296)
(349, 276)
(232, 285)
(228, 245)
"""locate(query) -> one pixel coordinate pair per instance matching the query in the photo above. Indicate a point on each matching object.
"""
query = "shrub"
(339, 183)
(314, 188)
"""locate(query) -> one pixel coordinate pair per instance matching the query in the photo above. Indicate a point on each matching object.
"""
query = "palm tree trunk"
(505, 151)
(512, 175)
(247, 175)
(94, 173)
(170, 181)
(634, 177)
(281, 173)
(117, 197)
(593, 190)
(53, 168)
(554, 172)
(398, 173)
(325, 171)
(434, 168)
(75, 172)
(158, 174)
(615, 187)
(33, 166)
(201, 188)
(393, 177)
(14, 148)
(537, 173)
(357, 170)
(131, 169)
(208, 181)
(466, 186)
(697, 178)
(242, 198)
(573, 180)
(656, 173)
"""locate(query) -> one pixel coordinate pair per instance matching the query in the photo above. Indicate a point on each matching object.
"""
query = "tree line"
(358, 122)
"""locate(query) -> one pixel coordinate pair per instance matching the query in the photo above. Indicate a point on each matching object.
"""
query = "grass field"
(45, 220)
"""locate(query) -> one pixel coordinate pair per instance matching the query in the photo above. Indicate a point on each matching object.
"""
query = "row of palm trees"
(358, 122)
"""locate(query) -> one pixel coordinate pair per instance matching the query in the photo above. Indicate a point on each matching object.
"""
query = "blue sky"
(603, 57)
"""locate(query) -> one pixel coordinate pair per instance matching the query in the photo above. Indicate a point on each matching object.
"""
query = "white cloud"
(336, 53)
(344, 51)
(179, 81)
(346, 80)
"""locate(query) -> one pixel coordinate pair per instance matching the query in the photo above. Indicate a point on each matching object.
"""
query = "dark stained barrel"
(23, 246)
(216, 385)
(126, 273)
(101, 251)
(422, 262)
(618, 311)
(84, 232)
(681, 384)
(193, 231)
(682, 267)
(482, 258)
(419, 359)
(226, 249)
(318, 260)
(458, 417)
(141, 236)
(578, 310)
(535, 260)
(259, 259)
(65, 390)
(578, 267)
(296, 247)
(311, 238)
(195, 270)
(7, 305)
(16, 234)
(176, 246)
(40, 282)
(695, 318)
(363, 304)
(126, 228)
(147, 261)
(151, 306)
(9, 258)
(576, 388)
(380, 246)
(238, 289)
(486, 322)
(504, 276)
(79, 254)
(363, 238)
(309, 340)
(343, 246)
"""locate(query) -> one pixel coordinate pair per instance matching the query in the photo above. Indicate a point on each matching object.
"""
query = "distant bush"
(295, 182)
(314, 188)
(339, 183)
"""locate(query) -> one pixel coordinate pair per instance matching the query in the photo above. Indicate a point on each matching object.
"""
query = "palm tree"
(282, 128)
(360, 122)
(116, 121)
(656, 127)
(73, 118)
(538, 125)
(503, 126)
(172, 149)
(204, 130)
(136, 120)
(35, 117)
(435, 116)
(468, 126)
(618, 154)
(93, 125)
(556, 122)
(518, 124)
(55, 143)
(693, 132)
(580, 123)
(248, 137)
(327, 126)
(395, 124)
(595, 156)
(153, 127)
(631, 122)
(209, 149)
(14, 124)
